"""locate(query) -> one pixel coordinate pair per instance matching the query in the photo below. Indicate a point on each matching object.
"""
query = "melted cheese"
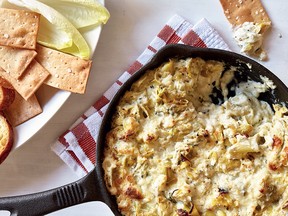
(249, 37)
(171, 151)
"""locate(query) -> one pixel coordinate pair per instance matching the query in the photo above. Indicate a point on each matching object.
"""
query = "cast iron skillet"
(92, 187)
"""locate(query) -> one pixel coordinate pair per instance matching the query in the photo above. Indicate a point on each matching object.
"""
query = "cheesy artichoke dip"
(172, 151)
(249, 37)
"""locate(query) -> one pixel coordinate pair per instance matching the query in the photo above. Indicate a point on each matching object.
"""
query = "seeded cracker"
(68, 72)
(250, 21)
(15, 60)
(18, 28)
(22, 110)
(30, 81)
(240, 11)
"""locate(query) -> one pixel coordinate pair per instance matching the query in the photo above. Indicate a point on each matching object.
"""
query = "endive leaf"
(55, 30)
(81, 13)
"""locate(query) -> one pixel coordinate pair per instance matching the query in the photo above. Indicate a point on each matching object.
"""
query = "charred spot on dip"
(190, 156)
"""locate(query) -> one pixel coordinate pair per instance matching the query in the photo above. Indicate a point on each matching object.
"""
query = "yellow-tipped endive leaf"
(56, 31)
(81, 13)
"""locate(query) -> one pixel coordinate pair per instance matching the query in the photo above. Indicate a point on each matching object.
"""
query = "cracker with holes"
(22, 110)
(15, 60)
(30, 81)
(18, 28)
(68, 72)
(250, 21)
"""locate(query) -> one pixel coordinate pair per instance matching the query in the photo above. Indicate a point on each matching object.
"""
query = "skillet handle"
(83, 190)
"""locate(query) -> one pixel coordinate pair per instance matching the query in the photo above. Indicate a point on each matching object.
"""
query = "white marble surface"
(133, 23)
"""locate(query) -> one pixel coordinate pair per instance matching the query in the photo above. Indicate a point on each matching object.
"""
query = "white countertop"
(34, 167)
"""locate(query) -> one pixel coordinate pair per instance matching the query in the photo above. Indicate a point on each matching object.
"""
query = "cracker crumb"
(280, 35)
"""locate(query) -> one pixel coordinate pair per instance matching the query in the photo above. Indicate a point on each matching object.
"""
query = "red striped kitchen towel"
(77, 146)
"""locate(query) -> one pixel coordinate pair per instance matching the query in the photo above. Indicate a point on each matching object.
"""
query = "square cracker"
(30, 81)
(19, 28)
(68, 72)
(239, 11)
(15, 60)
(22, 110)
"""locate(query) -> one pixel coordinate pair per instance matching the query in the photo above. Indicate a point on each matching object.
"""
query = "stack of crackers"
(27, 65)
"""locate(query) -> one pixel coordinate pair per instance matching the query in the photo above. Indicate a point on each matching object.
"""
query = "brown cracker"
(5, 83)
(18, 28)
(15, 60)
(30, 81)
(240, 11)
(68, 72)
(22, 110)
